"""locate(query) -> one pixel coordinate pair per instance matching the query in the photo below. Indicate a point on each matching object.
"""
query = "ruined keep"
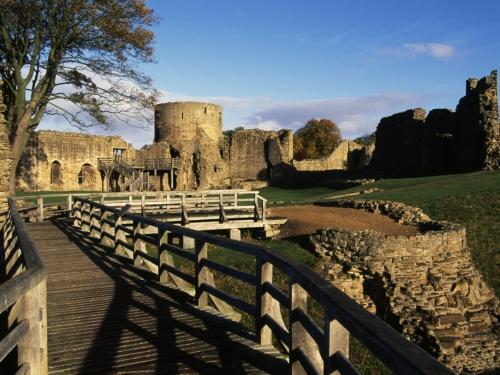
(424, 285)
(414, 143)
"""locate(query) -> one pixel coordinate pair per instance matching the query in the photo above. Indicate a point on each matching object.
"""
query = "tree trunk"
(17, 150)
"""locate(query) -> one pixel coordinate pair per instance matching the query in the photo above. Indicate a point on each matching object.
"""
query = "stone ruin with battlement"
(415, 143)
(409, 143)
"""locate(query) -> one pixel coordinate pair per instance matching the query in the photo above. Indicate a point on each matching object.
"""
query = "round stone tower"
(181, 122)
(194, 133)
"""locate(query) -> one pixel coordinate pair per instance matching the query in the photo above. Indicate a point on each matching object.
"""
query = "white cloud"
(355, 116)
(413, 50)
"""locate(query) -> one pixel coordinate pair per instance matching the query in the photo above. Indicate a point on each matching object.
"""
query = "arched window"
(86, 176)
(55, 173)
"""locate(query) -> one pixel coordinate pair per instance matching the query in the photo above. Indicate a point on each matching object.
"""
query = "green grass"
(471, 199)
(286, 196)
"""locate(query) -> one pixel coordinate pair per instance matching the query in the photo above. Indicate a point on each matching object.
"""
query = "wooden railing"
(184, 204)
(312, 347)
(148, 164)
(23, 300)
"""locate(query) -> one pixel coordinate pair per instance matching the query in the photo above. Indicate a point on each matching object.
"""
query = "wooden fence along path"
(112, 305)
(106, 315)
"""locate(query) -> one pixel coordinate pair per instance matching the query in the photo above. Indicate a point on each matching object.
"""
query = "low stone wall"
(424, 285)
(348, 155)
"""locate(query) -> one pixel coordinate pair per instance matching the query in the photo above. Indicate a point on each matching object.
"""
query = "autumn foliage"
(316, 140)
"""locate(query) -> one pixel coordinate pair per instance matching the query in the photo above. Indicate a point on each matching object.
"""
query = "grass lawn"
(471, 199)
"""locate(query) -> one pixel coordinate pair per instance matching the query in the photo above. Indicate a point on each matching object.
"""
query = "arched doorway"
(55, 173)
(86, 177)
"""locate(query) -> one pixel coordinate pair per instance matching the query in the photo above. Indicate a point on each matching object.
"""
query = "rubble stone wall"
(6, 158)
(424, 285)
(409, 143)
(341, 158)
(74, 155)
(258, 154)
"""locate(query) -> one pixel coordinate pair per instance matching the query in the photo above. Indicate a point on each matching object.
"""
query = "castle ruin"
(415, 143)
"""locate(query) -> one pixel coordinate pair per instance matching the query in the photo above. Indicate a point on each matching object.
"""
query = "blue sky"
(277, 63)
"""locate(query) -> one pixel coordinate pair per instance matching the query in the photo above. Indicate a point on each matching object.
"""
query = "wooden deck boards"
(107, 317)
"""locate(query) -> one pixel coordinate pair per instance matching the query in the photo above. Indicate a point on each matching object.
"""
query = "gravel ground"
(307, 219)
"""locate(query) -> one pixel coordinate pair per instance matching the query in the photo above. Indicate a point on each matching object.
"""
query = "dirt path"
(307, 219)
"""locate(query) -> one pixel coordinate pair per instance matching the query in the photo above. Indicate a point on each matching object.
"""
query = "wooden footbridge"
(88, 294)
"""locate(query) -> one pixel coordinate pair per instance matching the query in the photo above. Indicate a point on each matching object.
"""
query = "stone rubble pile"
(424, 285)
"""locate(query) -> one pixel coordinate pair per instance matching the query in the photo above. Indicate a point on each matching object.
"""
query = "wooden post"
(40, 209)
(263, 210)
(336, 340)
(139, 245)
(200, 272)
(95, 223)
(70, 205)
(77, 214)
(107, 231)
(263, 302)
(143, 204)
(300, 339)
(32, 348)
(119, 237)
(85, 217)
(163, 257)
(172, 178)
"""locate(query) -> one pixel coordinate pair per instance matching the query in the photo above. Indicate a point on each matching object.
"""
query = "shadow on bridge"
(108, 316)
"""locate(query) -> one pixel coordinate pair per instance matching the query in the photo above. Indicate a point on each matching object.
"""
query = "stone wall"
(477, 126)
(6, 158)
(347, 155)
(424, 285)
(398, 143)
(66, 161)
(258, 154)
(409, 143)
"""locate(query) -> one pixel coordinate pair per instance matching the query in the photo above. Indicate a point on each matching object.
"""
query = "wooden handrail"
(312, 348)
(226, 204)
(25, 285)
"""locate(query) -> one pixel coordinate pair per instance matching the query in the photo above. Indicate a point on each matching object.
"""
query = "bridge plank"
(107, 316)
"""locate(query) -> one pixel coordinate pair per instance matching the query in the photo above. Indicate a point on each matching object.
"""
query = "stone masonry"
(424, 285)
(342, 158)
(66, 161)
(411, 143)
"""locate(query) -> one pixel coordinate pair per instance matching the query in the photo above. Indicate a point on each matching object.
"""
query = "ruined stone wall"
(341, 158)
(258, 154)
(74, 156)
(408, 143)
(477, 143)
(6, 158)
(398, 143)
(424, 285)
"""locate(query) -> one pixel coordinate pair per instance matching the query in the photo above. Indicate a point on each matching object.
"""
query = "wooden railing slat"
(233, 301)
(12, 339)
(237, 274)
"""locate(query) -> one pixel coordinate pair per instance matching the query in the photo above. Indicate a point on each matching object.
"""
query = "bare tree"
(74, 58)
